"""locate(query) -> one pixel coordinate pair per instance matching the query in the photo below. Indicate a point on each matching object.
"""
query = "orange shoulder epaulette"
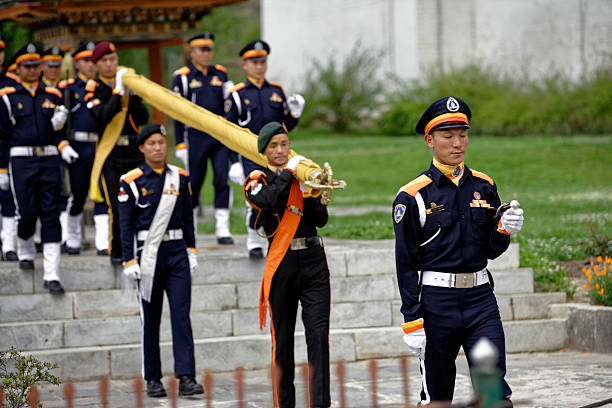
(183, 172)
(65, 82)
(275, 84)
(91, 85)
(238, 87)
(221, 68)
(53, 90)
(415, 185)
(13, 77)
(482, 176)
(7, 90)
(132, 175)
(183, 71)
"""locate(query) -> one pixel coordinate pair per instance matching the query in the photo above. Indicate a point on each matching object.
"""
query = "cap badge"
(111, 47)
(90, 46)
(55, 51)
(31, 48)
(258, 46)
(452, 105)
(162, 130)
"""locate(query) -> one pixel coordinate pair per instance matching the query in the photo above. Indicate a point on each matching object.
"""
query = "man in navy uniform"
(205, 84)
(83, 136)
(8, 235)
(52, 63)
(155, 212)
(446, 227)
(252, 104)
(31, 118)
(296, 266)
(107, 97)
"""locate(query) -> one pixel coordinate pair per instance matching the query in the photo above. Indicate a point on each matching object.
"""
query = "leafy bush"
(342, 95)
(18, 373)
(599, 281)
(505, 106)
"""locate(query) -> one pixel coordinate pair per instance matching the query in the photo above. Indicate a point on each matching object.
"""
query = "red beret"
(103, 48)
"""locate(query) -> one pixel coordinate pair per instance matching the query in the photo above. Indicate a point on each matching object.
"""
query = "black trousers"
(121, 160)
(302, 276)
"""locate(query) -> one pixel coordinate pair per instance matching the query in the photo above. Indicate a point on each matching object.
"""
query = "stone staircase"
(94, 329)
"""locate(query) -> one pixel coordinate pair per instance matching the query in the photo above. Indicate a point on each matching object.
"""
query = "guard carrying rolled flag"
(448, 222)
(31, 118)
(296, 267)
(118, 113)
(252, 104)
(155, 213)
(83, 135)
(206, 85)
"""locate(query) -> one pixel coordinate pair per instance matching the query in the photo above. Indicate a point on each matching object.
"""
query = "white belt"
(170, 235)
(48, 150)
(84, 136)
(455, 280)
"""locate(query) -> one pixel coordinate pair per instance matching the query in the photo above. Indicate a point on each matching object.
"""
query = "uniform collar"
(48, 82)
(199, 68)
(110, 82)
(83, 78)
(148, 170)
(436, 175)
(26, 85)
(257, 84)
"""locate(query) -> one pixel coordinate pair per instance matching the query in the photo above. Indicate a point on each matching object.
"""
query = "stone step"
(122, 329)
(253, 351)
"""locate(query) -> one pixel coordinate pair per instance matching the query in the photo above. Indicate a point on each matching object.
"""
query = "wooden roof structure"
(150, 24)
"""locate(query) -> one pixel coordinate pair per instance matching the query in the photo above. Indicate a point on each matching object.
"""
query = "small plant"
(18, 373)
(599, 278)
(598, 244)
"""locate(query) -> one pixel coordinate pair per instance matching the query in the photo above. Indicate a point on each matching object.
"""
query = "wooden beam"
(84, 7)
(156, 74)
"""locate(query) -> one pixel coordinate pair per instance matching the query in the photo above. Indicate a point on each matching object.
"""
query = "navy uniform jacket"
(8, 79)
(204, 88)
(82, 120)
(259, 105)
(272, 200)
(458, 239)
(136, 213)
(104, 105)
(32, 117)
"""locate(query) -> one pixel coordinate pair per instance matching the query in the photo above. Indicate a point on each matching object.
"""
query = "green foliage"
(597, 243)
(18, 373)
(342, 95)
(373, 225)
(505, 106)
(15, 37)
(599, 280)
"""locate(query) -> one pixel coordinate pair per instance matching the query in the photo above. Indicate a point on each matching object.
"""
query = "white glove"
(227, 87)
(69, 154)
(192, 254)
(512, 219)
(182, 155)
(132, 272)
(236, 173)
(59, 117)
(296, 104)
(119, 87)
(293, 162)
(4, 181)
(416, 342)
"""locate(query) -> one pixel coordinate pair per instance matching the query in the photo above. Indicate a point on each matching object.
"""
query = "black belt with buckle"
(305, 243)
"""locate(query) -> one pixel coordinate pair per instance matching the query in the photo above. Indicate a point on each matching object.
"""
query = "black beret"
(85, 50)
(267, 132)
(29, 54)
(149, 130)
(447, 112)
(203, 40)
(256, 49)
(52, 57)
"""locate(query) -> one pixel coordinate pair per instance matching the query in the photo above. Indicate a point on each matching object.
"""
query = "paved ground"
(547, 380)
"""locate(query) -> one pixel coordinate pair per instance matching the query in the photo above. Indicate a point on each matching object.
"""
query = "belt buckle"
(166, 237)
(464, 280)
(38, 151)
(298, 243)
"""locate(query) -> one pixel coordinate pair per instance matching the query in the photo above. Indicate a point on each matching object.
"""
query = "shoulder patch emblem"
(398, 213)
(122, 197)
(227, 105)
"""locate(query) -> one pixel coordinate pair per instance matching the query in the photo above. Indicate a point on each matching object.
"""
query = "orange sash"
(281, 242)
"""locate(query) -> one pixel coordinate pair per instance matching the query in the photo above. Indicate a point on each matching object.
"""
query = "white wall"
(521, 37)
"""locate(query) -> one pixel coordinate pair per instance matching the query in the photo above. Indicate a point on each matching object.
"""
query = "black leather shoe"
(102, 252)
(38, 247)
(189, 386)
(116, 260)
(155, 389)
(26, 264)
(256, 253)
(72, 251)
(54, 287)
(225, 241)
(11, 256)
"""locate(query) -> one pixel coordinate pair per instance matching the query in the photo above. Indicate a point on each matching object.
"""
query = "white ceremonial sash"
(157, 229)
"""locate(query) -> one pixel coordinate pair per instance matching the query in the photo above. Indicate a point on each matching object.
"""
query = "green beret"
(266, 133)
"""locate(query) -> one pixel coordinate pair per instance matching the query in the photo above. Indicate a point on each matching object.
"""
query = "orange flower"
(596, 267)
(597, 286)
(585, 286)
(601, 292)
(599, 258)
